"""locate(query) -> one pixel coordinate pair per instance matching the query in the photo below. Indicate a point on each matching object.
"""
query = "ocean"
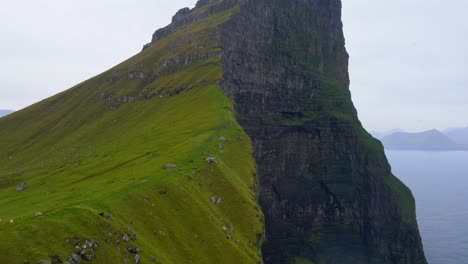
(439, 181)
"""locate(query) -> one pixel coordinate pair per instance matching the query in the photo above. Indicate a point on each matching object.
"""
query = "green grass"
(80, 159)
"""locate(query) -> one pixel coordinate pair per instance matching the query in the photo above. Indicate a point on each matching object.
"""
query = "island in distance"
(5, 112)
(431, 140)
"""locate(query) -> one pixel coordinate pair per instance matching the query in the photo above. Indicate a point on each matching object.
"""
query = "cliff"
(326, 188)
(155, 159)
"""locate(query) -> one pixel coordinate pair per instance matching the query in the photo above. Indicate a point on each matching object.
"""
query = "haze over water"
(439, 181)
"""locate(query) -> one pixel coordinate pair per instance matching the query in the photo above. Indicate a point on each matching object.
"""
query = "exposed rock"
(137, 259)
(91, 244)
(216, 200)
(73, 259)
(135, 75)
(45, 262)
(133, 250)
(162, 191)
(221, 138)
(170, 166)
(211, 160)
(37, 214)
(153, 259)
(126, 238)
(87, 255)
(180, 14)
(21, 187)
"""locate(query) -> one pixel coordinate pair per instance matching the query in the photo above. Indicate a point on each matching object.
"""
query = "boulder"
(137, 259)
(216, 200)
(21, 187)
(133, 251)
(211, 160)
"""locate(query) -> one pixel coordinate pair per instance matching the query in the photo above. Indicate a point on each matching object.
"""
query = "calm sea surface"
(439, 181)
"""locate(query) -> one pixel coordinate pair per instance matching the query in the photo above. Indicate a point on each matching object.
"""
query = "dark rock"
(87, 255)
(162, 191)
(21, 187)
(180, 14)
(135, 75)
(73, 259)
(201, 3)
(323, 180)
(133, 250)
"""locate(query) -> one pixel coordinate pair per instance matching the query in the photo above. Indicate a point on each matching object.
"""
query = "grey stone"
(216, 200)
(21, 187)
(88, 256)
(211, 160)
(137, 259)
(171, 166)
(73, 259)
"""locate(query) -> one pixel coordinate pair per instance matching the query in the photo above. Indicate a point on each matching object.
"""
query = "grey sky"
(408, 58)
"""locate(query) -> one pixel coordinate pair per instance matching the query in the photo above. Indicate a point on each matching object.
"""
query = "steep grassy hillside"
(95, 161)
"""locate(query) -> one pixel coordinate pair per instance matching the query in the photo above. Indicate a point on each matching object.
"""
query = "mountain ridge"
(4, 112)
(430, 140)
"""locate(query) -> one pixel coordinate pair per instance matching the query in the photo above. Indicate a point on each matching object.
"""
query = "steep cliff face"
(325, 186)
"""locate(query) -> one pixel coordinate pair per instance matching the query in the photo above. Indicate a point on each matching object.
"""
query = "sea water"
(439, 182)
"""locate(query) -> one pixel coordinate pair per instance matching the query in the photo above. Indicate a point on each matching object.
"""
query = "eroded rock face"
(326, 188)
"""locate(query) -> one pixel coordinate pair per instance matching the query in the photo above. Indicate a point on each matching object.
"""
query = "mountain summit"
(431, 140)
(231, 138)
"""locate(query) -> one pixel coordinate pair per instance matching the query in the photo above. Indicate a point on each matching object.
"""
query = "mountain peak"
(430, 140)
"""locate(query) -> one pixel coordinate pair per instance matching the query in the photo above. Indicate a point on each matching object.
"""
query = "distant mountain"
(5, 112)
(432, 140)
(382, 134)
(458, 135)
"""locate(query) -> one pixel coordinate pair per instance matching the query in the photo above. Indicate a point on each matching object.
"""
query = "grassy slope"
(80, 159)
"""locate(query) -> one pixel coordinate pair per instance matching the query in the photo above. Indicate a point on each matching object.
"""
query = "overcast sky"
(409, 59)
